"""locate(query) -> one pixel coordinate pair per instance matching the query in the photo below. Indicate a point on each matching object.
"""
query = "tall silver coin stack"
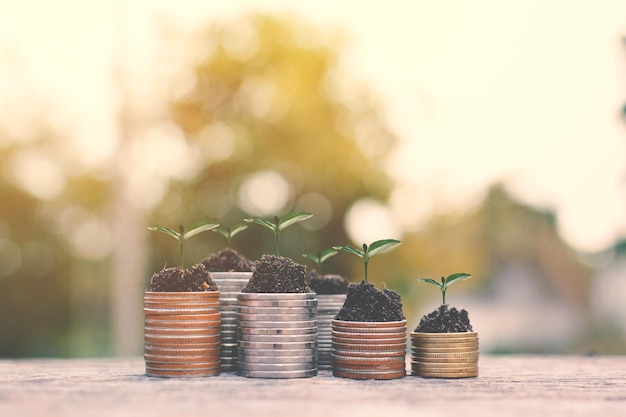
(328, 305)
(230, 285)
(277, 335)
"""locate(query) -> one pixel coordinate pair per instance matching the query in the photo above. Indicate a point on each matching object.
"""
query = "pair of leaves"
(183, 234)
(371, 250)
(231, 231)
(322, 256)
(447, 282)
(282, 222)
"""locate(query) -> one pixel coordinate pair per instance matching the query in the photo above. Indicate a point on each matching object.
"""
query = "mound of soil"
(328, 283)
(227, 260)
(277, 274)
(365, 302)
(445, 320)
(182, 280)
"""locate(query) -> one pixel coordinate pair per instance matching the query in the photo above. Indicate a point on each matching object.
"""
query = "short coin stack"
(328, 305)
(182, 334)
(369, 350)
(230, 285)
(277, 335)
(444, 355)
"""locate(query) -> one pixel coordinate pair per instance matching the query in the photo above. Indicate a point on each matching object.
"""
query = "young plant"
(446, 282)
(280, 224)
(182, 235)
(231, 232)
(369, 251)
(321, 257)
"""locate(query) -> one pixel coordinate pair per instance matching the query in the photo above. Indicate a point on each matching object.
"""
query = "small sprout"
(321, 257)
(369, 251)
(446, 282)
(279, 224)
(183, 235)
(231, 232)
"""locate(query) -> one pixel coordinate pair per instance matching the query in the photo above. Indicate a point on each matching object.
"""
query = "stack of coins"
(230, 285)
(277, 335)
(328, 305)
(444, 355)
(182, 334)
(369, 350)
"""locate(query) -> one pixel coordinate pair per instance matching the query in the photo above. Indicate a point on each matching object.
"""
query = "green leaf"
(456, 278)
(382, 245)
(166, 230)
(431, 281)
(222, 232)
(311, 257)
(350, 249)
(262, 222)
(293, 218)
(239, 227)
(199, 228)
(327, 254)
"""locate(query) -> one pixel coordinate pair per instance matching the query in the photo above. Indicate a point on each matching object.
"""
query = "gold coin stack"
(369, 350)
(182, 334)
(444, 355)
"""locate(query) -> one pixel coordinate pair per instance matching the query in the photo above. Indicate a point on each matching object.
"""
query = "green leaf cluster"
(321, 257)
(280, 223)
(446, 282)
(182, 235)
(369, 251)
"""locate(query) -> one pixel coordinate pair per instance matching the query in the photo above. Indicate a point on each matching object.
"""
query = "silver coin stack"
(277, 335)
(328, 305)
(230, 285)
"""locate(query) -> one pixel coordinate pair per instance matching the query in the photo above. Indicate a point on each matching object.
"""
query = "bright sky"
(525, 92)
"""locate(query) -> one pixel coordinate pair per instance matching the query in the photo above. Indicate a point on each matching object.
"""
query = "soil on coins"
(227, 260)
(328, 283)
(182, 280)
(445, 320)
(365, 302)
(276, 274)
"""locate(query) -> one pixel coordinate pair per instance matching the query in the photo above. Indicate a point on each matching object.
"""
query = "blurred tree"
(52, 283)
(276, 126)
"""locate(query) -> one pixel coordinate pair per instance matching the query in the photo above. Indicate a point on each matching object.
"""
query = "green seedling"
(182, 235)
(280, 224)
(321, 257)
(231, 232)
(369, 251)
(446, 282)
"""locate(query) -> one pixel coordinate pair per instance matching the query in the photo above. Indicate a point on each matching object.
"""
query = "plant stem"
(444, 296)
(365, 263)
(181, 229)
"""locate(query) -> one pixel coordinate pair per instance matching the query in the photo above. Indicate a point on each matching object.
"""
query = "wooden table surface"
(507, 386)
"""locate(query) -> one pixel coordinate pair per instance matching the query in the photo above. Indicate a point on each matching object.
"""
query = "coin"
(278, 304)
(278, 338)
(181, 358)
(369, 347)
(451, 361)
(368, 354)
(278, 374)
(278, 325)
(277, 345)
(381, 375)
(453, 335)
(204, 314)
(276, 317)
(243, 352)
(278, 359)
(163, 352)
(428, 356)
(183, 332)
(469, 374)
(278, 331)
(259, 366)
(276, 310)
(168, 340)
(420, 350)
(359, 341)
(369, 324)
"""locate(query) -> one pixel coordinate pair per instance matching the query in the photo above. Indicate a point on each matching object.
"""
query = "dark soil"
(277, 274)
(182, 280)
(367, 303)
(445, 320)
(227, 260)
(328, 283)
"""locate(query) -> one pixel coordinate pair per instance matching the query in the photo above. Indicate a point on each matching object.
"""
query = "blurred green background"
(256, 119)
